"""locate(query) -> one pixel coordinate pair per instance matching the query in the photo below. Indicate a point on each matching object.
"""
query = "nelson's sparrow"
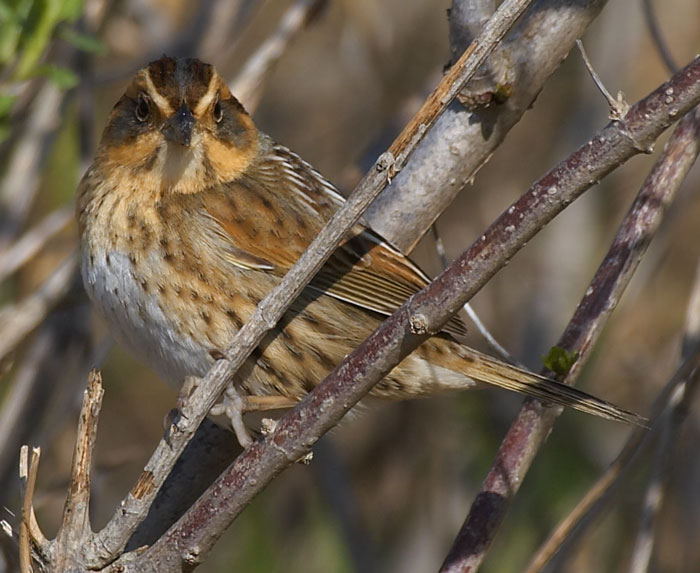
(189, 216)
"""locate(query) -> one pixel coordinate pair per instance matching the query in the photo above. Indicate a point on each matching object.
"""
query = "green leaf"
(40, 26)
(84, 42)
(36, 34)
(12, 23)
(6, 103)
(62, 77)
(559, 360)
(4, 131)
(71, 9)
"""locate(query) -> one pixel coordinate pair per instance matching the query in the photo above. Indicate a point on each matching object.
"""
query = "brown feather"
(364, 271)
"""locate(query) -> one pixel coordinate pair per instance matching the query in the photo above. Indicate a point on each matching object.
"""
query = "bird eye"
(218, 112)
(142, 108)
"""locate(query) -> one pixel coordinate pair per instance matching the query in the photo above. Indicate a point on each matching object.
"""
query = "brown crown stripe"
(182, 79)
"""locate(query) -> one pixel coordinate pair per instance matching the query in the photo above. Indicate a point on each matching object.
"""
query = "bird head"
(179, 127)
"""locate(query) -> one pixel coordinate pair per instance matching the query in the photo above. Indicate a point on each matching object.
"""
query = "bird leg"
(233, 405)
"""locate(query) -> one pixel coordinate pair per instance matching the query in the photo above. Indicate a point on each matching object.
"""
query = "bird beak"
(179, 126)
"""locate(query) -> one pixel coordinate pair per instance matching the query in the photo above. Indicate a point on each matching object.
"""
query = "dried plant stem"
(676, 412)
(75, 526)
(29, 532)
(107, 544)
(534, 423)
(196, 531)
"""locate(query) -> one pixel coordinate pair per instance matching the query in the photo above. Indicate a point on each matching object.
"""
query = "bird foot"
(233, 406)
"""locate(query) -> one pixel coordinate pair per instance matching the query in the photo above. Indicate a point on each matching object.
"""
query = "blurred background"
(389, 488)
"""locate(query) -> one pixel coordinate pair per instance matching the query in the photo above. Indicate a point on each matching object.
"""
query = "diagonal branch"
(295, 433)
(112, 539)
(533, 424)
(669, 399)
(462, 140)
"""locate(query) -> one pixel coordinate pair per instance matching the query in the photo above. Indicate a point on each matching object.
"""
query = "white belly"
(137, 320)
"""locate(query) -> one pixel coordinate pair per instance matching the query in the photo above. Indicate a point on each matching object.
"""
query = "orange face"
(178, 127)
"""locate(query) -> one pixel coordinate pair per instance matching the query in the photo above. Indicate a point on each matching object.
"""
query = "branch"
(75, 526)
(676, 411)
(111, 540)
(295, 433)
(462, 141)
(534, 423)
(667, 400)
(30, 536)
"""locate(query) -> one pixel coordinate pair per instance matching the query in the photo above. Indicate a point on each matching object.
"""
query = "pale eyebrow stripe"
(208, 97)
(162, 103)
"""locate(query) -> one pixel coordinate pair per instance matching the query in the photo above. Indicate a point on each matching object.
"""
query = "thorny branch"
(534, 423)
(296, 432)
(112, 539)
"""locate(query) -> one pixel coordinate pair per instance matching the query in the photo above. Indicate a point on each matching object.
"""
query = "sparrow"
(189, 216)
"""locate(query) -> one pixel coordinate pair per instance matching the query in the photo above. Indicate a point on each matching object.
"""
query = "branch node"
(418, 324)
(387, 162)
(191, 556)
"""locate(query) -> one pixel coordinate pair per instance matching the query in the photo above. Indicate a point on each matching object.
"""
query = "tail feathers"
(491, 371)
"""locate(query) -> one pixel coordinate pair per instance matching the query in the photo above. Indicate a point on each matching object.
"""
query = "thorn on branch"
(618, 106)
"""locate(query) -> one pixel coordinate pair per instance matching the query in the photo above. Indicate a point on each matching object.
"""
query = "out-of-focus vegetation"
(338, 96)
(27, 27)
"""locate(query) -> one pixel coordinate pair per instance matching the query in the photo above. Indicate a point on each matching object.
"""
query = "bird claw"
(233, 405)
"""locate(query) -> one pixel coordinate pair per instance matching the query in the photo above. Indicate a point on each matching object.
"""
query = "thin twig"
(658, 37)
(533, 424)
(111, 540)
(618, 106)
(474, 317)
(17, 254)
(196, 531)
(671, 423)
(594, 497)
(247, 86)
(29, 532)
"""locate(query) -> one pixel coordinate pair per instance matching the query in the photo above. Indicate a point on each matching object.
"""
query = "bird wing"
(267, 218)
